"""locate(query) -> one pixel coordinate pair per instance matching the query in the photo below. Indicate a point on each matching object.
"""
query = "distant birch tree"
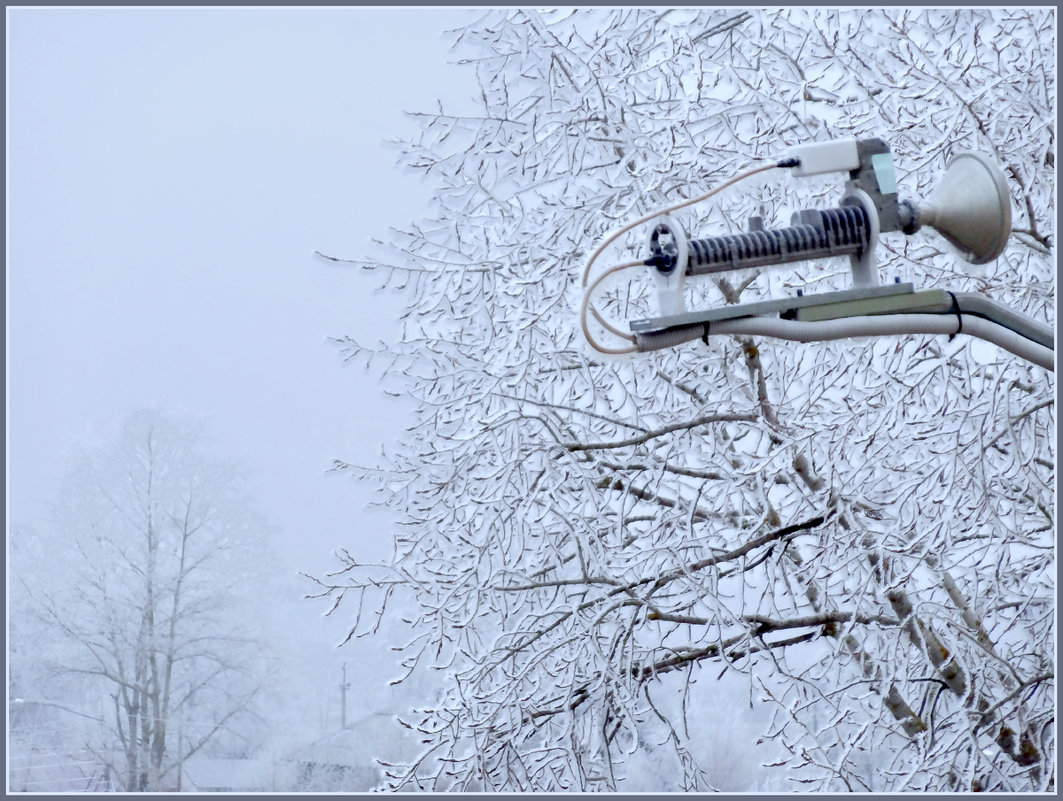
(863, 529)
(134, 597)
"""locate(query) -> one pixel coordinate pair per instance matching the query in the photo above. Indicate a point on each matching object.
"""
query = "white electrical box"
(821, 157)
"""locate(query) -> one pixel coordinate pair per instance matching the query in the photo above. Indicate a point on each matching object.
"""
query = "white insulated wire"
(585, 306)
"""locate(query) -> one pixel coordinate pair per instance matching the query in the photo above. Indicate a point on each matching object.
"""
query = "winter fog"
(336, 462)
(170, 175)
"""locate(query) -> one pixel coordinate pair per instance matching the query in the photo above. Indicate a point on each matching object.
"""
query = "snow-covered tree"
(134, 601)
(862, 530)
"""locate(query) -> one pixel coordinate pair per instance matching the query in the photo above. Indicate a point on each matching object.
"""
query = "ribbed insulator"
(812, 234)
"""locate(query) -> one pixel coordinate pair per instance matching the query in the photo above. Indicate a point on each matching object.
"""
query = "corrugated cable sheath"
(883, 325)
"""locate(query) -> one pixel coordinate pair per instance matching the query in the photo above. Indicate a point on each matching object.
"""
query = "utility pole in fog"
(343, 698)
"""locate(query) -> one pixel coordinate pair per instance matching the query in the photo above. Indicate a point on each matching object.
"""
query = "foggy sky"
(171, 172)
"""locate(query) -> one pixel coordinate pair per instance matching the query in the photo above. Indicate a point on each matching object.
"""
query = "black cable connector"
(790, 161)
(665, 261)
(959, 316)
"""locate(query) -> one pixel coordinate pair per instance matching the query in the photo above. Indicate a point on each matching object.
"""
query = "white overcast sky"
(170, 173)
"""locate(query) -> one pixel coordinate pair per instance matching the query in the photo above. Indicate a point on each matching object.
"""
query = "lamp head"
(971, 208)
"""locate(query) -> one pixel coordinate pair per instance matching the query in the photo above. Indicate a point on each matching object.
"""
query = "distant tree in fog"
(134, 600)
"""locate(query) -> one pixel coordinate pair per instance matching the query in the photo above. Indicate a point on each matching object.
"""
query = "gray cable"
(882, 325)
(973, 303)
(981, 306)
